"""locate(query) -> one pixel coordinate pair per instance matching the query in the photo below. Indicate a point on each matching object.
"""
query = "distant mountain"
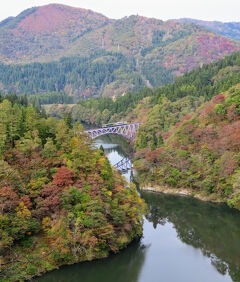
(116, 55)
(229, 29)
(41, 33)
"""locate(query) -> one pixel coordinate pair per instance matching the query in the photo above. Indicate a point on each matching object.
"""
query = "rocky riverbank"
(183, 191)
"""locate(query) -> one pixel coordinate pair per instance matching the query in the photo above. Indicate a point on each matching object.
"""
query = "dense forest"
(76, 76)
(169, 104)
(201, 84)
(201, 152)
(101, 110)
(85, 54)
(50, 98)
(61, 202)
(186, 143)
(164, 111)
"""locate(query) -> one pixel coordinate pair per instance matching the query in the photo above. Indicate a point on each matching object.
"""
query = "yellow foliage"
(23, 211)
(46, 223)
(205, 146)
(101, 161)
(36, 184)
(75, 142)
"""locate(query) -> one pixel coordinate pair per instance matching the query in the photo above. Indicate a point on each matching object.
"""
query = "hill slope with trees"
(188, 91)
(105, 57)
(201, 152)
(186, 143)
(61, 202)
(75, 76)
(190, 131)
(228, 29)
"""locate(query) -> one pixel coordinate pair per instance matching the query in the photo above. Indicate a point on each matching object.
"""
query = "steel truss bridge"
(129, 131)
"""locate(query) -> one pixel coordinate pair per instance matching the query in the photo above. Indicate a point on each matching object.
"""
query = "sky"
(221, 10)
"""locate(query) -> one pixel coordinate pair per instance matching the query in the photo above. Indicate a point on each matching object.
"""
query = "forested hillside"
(60, 200)
(201, 152)
(87, 54)
(75, 76)
(45, 31)
(185, 143)
(186, 92)
(228, 29)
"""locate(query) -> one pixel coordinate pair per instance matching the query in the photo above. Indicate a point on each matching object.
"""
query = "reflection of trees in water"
(124, 149)
(123, 267)
(116, 149)
(214, 228)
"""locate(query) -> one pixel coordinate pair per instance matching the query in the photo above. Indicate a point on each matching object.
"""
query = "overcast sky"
(222, 10)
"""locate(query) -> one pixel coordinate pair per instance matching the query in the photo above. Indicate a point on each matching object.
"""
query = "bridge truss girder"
(129, 131)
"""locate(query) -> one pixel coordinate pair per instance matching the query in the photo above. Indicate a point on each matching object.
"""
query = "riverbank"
(183, 192)
(183, 240)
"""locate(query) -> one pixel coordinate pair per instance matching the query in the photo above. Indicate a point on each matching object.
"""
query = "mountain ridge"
(154, 52)
(228, 29)
(49, 32)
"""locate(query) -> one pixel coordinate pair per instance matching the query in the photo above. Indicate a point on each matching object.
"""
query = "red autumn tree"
(63, 177)
(218, 99)
(48, 202)
(8, 199)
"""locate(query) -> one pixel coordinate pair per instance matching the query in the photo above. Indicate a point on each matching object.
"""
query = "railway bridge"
(128, 130)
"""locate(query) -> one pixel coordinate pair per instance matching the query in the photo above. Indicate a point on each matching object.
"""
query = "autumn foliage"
(201, 153)
(63, 177)
(61, 202)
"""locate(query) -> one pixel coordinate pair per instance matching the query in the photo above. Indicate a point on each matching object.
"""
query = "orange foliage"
(187, 117)
(218, 99)
(63, 177)
(154, 155)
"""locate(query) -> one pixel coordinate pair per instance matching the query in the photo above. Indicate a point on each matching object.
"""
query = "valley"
(119, 148)
(85, 54)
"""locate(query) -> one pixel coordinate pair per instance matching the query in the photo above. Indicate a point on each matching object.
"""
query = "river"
(184, 240)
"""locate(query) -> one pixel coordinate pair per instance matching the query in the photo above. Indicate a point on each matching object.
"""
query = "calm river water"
(184, 240)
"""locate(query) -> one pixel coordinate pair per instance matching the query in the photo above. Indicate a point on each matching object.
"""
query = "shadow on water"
(116, 268)
(213, 228)
(184, 240)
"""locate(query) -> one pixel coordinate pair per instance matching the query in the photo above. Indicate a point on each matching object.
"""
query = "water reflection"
(213, 228)
(116, 149)
(184, 240)
(117, 268)
(115, 143)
